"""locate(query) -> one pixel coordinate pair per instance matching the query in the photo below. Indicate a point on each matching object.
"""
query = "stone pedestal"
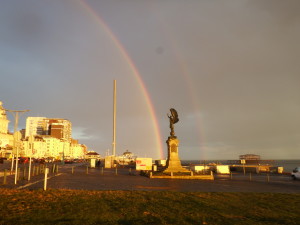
(173, 161)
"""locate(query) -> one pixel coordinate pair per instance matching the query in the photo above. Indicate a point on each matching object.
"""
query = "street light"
(15, 113)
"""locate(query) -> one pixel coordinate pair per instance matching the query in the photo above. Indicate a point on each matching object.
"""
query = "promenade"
(78, 177)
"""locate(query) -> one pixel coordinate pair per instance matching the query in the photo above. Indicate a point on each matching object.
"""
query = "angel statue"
(173, 119)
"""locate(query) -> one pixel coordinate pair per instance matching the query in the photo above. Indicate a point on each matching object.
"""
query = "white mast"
(114, 119)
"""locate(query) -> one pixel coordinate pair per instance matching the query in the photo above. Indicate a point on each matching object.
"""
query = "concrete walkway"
(123, 179)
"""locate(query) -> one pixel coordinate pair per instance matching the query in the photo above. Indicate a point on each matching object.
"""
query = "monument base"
(173, 161)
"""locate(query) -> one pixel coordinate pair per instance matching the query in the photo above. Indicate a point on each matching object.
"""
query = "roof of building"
(92, 153)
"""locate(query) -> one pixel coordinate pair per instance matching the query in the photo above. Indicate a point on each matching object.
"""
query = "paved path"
(123, 180)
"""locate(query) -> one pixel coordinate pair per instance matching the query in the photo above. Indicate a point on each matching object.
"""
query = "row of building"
(42, 138)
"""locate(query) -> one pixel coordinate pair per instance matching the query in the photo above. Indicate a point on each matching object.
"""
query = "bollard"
(4, 177)
(171, 174)
(53, 168)
(45, 180)
(116, 171)
(33, 170)
(56, 168)
(150, 174)
(37, 170)
(192, 174)
(230, 175)
(29, 172)
(24, 173)
(18, 175)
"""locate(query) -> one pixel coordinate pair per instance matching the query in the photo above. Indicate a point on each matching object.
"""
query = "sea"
(288, 165)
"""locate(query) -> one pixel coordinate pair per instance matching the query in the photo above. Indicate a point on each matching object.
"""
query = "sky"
(230, 68)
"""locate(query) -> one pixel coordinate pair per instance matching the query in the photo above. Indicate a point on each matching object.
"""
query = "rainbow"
(135, 72)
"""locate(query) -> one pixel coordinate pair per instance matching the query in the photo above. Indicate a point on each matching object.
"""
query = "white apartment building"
(3, 120)
(35, 148)
(6, 139)
(34, 126)
(56, 127)
(44, 137)
(53, 147)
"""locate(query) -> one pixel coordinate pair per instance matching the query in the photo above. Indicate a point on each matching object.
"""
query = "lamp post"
(114, 118)
(15, 113)
(63, 153)
(30, 140)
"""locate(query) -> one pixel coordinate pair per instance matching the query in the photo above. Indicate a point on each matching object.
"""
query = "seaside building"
(42, 138)
(34, 126)
(36, 147)
(6, 139)
(249, 157)
(77, 150)
(55, 127)
(92, 155)
(57, 135)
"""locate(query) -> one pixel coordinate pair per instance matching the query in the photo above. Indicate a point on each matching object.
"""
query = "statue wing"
(174, 115)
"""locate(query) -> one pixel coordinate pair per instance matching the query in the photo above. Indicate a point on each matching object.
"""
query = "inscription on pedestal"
(174, 148)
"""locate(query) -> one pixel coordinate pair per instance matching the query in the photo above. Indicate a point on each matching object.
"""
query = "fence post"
(18, 175)
(4, 177)
(45, 181)
(33, 170)
(24, 173)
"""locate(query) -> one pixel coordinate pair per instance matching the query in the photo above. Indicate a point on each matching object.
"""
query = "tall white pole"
(16, 115)
(114, 119)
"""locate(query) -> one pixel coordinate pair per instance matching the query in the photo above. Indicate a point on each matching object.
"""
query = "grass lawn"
(145, 207)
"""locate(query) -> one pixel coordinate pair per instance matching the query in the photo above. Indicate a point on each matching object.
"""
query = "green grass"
(141, 207)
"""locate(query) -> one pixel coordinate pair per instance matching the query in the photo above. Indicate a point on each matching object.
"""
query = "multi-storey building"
(3, 120)
(43, 138)
(34, 146)
(34, 126)
(6, 139)
(55, 127)
(59, 128)
(56, 134)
